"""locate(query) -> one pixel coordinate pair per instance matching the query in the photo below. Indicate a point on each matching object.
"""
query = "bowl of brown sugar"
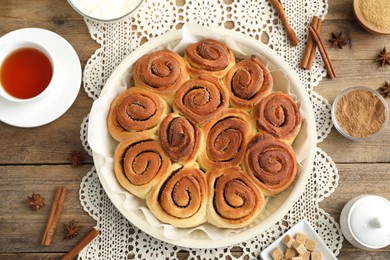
(373, 15)
(360, 113)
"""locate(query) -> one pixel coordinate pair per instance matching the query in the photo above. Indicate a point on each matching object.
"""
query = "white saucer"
(48, 108)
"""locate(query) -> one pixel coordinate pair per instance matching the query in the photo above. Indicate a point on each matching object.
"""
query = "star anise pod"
(383, 57)
(385, 90)
(36, 201)
(71, 230)
(338, 40)
(76, 159)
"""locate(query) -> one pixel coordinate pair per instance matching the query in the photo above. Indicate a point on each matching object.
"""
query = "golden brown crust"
(278, 114)
(208, 57)
(140, 163)
(226, 137)
(201, 99)
(162, 72)
(248, 82)
(180, 138)
(162, 157)
(180, 199)
(233, 200)
(135, 110)
(270, 163)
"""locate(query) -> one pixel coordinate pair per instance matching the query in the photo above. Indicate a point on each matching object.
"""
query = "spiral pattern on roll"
(133, 111)
(201, 99)
(278, 115)
(179, 138)
(139, 163)
(180, 198)
(248, 82)
(208, 57)
(234, 199)
(161, 71)
(270, 163)
(226, 138)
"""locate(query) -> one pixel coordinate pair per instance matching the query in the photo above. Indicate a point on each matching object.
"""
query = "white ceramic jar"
(365, 222)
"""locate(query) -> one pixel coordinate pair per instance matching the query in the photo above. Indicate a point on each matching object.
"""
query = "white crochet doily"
(121, 240)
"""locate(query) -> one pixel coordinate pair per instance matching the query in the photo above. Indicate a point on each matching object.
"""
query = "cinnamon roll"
(140, 163)
(279, 115)
(226, 138)
(180, 199)
(208, 57)
(233, 200)
(180, 138)
(135, 110)
(161, 71)
(201, 99)
(270, 163)
(247, 82)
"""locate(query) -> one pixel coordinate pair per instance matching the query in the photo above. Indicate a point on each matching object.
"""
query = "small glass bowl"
(338, 127)
(137, 5)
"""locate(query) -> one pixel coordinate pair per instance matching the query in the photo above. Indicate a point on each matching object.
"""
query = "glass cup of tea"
(27, 71)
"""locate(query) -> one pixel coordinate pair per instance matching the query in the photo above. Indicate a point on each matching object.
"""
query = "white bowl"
(205, 236)
(105, 10)
(365, 222)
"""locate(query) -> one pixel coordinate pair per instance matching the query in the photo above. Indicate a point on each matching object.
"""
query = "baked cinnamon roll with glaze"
(180, 138)
(270, 163)
(234, 200)
(162, 72)
(279, 115)
(140, 163)
(180, 199)
(201, 99)
(135, 110)
(226, 136)
(248, 82)
(208, 57)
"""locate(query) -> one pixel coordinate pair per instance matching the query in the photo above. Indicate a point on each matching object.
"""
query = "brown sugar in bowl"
(359, 113)
(373, 15)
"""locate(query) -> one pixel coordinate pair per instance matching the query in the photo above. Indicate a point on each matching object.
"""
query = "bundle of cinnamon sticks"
(313, 41)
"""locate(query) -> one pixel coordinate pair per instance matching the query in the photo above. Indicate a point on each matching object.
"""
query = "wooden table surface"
(36, 159)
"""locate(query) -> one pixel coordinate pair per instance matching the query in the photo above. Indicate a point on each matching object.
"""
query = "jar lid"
(369, 221)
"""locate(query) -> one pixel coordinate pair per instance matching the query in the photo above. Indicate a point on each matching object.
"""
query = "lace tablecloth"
(119, 239)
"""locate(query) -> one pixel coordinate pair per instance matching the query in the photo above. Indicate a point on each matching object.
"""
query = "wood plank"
(22, 228)
(340, 9)
(341, 149)
(363, 167)
(357, 179)
(49, 144)
(30, 256)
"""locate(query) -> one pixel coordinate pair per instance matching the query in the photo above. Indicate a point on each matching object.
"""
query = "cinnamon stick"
(92, 234)
(55, 212)
(289, 30)
(310, 50)
(324, 54)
